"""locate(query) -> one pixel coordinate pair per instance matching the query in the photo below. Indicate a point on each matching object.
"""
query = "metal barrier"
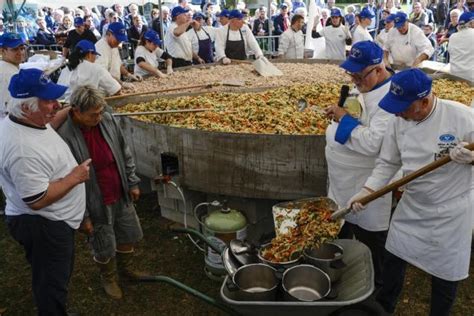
(268, 44)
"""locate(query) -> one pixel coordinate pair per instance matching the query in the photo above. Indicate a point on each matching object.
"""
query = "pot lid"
(225, 220)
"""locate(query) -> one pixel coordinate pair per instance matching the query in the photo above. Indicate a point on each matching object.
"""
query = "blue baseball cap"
(400, 19)
(78, 21)
(390, 18)
(362, 55)
(178, 10)
(12, 40)
(86, 46)
(119, 31)
(366, 14)
(32, 82)
(466, 17)
(152, 36)
(236, 14)
(224, 13)
(335, 12)
(406, 87)
(198, 15)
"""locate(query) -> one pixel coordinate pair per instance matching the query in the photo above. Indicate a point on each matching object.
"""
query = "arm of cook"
(251, 42)
(284, 43)
(389, 160)
(424, 49)
(221, 38)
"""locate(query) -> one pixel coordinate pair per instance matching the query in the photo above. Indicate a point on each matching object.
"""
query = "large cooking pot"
(305, 283)
(256, 282)
(328, 257)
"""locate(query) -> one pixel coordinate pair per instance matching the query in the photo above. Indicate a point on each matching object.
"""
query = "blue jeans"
(49, 249)
(443, 293)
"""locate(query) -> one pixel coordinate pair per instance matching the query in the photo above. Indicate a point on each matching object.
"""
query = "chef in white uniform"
(236, 40)
(148, 54)
(361, 33)
(336, 36)
(406, 43)
(431, 226)
(13, 49)
(353, 144)
(381, 38)
(291, 42)
(109, 57)
(461, 48)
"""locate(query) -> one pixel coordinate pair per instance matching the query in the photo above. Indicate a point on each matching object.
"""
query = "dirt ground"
(165, 253)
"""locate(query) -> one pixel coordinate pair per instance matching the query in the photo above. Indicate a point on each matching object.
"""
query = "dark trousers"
(443, 292)
(49, 248)
(374, 240)
(179, 62)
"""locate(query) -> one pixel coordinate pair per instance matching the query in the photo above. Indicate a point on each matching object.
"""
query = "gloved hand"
(128, 85)
(226, 61)
(169, 70)
(357, 207)
(460, 154)
(133, 77)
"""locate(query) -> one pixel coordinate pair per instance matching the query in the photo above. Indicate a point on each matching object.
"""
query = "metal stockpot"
(256, 282)
(328, 257)
(305, 283)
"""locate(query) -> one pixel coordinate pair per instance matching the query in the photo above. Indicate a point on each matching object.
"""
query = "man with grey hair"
(110, 218)
(43, 185)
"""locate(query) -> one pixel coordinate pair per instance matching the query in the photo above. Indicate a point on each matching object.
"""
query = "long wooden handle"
(394, 185)
(161, 112)
(116, 97)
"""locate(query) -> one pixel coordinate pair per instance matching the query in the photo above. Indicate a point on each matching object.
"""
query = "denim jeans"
(443, 293)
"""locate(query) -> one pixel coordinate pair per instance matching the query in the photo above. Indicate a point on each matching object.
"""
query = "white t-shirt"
(150, 57)
(178, 46)
(109, 58)
(7, 71)
(335, 41)
(291, 44)
(31, 158)
(251, 45)
(91, 74)
(361, 34)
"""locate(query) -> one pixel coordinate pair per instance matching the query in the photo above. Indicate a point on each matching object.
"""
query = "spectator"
(95, 18)
(111, 219)
(133, 9)
(23, 29)
(390, 7)
(361, 33)
(89, 25)
(260, 24)
(154, 14)
(118, 8)
(291, 44)
(336, 36)
(112, 18)
(418, 16)
(58, 16)
(44, 36)
(48, 16)
(136, 30)
(330, 4)
(452, 26)
(282, 21)
(461, 48)
(63, 29)
(428, 31)
(441, 12)
(428, 11)
(79, 33)
(350, 16)
(148, 54)
(298, 4)
(406, 43)
(44, 187)
(202, 40)
(165, 17)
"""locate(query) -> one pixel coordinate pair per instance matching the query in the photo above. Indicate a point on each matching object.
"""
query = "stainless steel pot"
(256, 282)
(281, 266)
(305, 283)
(328, 257)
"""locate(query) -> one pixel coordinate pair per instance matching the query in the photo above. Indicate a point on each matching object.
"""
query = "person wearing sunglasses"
(13, 48)
(353, 145)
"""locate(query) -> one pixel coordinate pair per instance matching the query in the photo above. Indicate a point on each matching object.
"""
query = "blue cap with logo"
(178, 10)
(86, 46)
(78, 21)
(32, 82)
(362, 55)
(366, 14)
(466, 17)
(400, 19)
(406, 87)
(12, 40)
(236, 14)
(198, 15)
(152, 36)
(335, 12)
(119, 31)
(390, 18)
(224, 13)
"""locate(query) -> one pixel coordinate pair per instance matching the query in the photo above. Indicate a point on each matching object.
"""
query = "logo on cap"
(396, 89)
(423, 94)
(356, 53)
(44, 79)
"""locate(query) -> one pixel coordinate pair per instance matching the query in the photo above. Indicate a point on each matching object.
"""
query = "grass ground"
(165, 253)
